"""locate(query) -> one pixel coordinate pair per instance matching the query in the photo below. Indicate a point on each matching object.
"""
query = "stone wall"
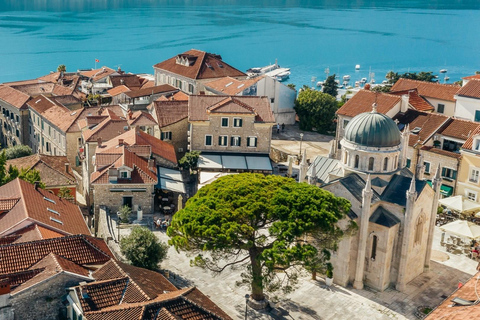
(179, 136)
(114, 200)
(278, 155)
(44, 300)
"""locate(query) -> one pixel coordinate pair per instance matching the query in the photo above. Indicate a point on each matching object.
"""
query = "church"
(395, 210)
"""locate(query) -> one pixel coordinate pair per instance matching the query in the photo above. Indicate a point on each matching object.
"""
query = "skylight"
(209, 65)
(229, 84)
(240, 85)
(53, 211)
(220, 65)
(49, 200)
(56, 220)
(416, 130)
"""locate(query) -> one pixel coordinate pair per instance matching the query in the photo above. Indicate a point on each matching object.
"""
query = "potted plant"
(329, 275)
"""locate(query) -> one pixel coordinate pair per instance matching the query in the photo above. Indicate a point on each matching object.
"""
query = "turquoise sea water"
(307, 36)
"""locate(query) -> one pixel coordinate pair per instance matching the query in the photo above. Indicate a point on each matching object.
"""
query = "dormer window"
(124, 174)
(476, 144)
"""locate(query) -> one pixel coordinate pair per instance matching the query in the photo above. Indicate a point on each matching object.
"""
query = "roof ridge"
(62, 173)
(199, 306)
(430, 82)
(133, 281)
(204, 54)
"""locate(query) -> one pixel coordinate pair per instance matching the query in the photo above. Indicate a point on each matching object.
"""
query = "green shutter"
(409, 163)
(477, 116)
(162, 136)
(444, 170)
(231, 141)
(240, 122)
(454, 174)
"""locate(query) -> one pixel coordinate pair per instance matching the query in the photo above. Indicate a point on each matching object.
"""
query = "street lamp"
(247, 296)
(301, 139)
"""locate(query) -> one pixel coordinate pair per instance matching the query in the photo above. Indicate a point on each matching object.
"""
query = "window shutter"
(162, 136)
(239, 141)
(255, 141)
(454, 174)
(443, 172)
(240, 122)
(231, 141)
(220, 140)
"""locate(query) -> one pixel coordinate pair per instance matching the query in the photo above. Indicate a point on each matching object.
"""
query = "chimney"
(99, 142)
(67, 167)
(151, 164)
(120, 142)
(130, 113)
(36, 184)
(4, 286)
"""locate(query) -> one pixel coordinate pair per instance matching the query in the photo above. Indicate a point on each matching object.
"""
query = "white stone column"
(312, 178)
(303, 167)
(436, 185)
(367, 194)
(402, 269)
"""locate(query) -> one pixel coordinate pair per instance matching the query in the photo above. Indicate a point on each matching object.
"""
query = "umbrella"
(460, 204)
(462, 228)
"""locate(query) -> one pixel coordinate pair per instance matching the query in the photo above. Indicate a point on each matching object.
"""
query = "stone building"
(469, 171)
(395, 211)
(14, 117)
(189, 71)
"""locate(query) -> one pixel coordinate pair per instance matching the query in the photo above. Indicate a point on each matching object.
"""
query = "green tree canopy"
(257, 223)
(316, 110)
(10, 173)
(330, 86)
(17, 151)
(393, 77)
(190, 160)
(143, 248)
(61, 68)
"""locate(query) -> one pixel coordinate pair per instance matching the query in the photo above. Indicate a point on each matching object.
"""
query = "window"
(345, 159)
(441, 108)
(395, 164)
(419, 231)
(48, 146)
(345, 122)
(18, 119)
(224, 122)
(223, 141)
(190, 88)
(409, 162)
(385, 164)
(272, 100)
(450, 145)
(357, 160)
(235, 141)
(471, 195)
(237, 122)
(374, 247)
(427, 167)
(124, 174)
(208, 140)
(477, 115)
(49, 131)
(252, 142)
(17, 133)
(448, 173)
(474, 173)
(371, 162)
(179, 84)
(166, 136)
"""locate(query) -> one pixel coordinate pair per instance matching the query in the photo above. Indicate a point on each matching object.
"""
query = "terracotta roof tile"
(449, 310)
(470, 90)
(428, 89)
(57, 214)
(179, 96)
(107, 129)
(33, 232)
(98, 74)
(148, 84)
(231, 86)
(78, 249)
(164, 88)
(14, 97)
(363, 100)
(199, 107)
(136, 137)
(101, 294)
(429, 124)
(169, 112)
(469, 143)
(35, 89)
(51, 168)
(442, 152)
(131, 81)
(460, 129)
(415, 100)
(118, 90)
(475, 76)
(199, 65)
(55, 113)
(141, 118)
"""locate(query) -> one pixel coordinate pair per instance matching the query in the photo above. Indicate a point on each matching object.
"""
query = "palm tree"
(61, 68)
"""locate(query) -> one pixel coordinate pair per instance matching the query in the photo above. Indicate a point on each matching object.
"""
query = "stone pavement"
(313, 300)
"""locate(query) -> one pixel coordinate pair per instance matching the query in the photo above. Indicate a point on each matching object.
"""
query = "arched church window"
(357, 159)
(345, 160)
(419, 230)
(370, 163)
(395, 164)
(374, 247)
(385, 164)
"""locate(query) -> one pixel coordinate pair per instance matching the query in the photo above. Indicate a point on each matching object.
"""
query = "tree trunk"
(314, 275)
(257, 279)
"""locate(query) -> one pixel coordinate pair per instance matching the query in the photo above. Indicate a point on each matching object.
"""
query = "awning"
(210, 161)
(209, 177)
(460, 204)
(259, 163)
(235, 162)
(169, 179)
(446, 191)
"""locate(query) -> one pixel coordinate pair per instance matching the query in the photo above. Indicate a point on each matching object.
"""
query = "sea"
(307, 36)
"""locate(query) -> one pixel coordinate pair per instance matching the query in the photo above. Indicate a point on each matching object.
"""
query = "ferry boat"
(283, 76)
(273, 70)
(357, 67)
(346, 78)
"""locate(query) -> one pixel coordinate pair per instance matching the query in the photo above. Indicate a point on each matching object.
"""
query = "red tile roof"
(169, 112)
(35, 89)
(363, 100)
(231, 86)
(107, 129)
(97, 74)
(164, 88)
(475, 76)
(200, 106)
(141, 118)
(118, 90)
(451, 311)
(429, 124)
(470, 90)
(199, 65)
(131, 81)
(66, 218)
(32, 232)
(79, 249)
(428, 89)
(442, 152)
(136, 137)
(415, 100)
(469, 143)
(51, 168)
(55, 113)
(14, 97)
(460, 129)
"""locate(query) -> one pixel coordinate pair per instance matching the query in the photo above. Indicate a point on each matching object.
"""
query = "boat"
(346, 78)
(283, 76)
(357, 67)
(446, 78)
(443, 71)
(337, 81)
(357, 83)
(363, 80)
